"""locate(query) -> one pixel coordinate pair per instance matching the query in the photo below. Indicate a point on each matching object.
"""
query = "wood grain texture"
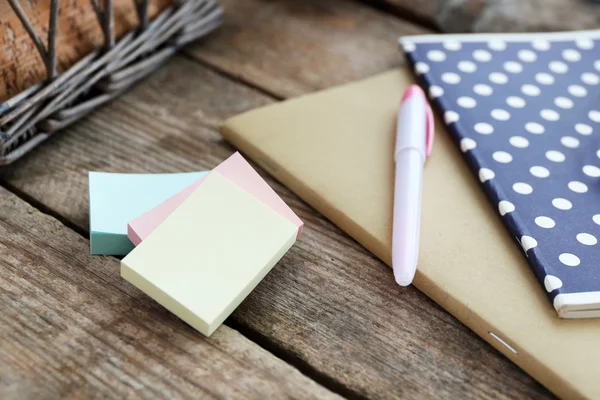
(310, 44)
(458, 16)
(78, 34)
(538, 15)
(329, 306)
(71, 328)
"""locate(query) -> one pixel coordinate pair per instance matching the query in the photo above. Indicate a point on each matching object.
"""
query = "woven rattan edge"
(34, 115)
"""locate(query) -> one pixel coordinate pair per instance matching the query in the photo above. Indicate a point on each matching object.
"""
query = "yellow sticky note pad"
(209, 254)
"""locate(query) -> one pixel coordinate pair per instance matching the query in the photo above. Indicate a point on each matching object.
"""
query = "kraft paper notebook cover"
(334, 149)
(526, 111)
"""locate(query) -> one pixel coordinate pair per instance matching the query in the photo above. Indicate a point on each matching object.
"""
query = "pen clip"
(429, 128)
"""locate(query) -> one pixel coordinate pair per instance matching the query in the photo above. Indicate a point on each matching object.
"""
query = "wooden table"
(328, 321)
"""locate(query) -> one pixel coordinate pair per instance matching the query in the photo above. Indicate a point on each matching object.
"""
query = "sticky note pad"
(237, 170)
(115, 199)
(209, 254)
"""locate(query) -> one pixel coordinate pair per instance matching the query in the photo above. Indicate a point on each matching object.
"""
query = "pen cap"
(415, 123)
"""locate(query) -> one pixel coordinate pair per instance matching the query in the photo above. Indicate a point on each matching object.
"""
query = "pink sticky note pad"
(237, 170)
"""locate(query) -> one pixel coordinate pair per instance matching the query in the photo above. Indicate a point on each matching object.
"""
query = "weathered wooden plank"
(498, 16)
(77, 35)
(72, 328)
(534, 16)
(309, 44)
(329, 305)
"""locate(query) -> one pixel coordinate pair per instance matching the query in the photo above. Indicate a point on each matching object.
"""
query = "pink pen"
(414, 140)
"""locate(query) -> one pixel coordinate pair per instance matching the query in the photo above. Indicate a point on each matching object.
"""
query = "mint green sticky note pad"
(116, 199)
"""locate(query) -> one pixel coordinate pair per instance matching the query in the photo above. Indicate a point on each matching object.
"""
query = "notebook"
(334, 149)
(525, 111)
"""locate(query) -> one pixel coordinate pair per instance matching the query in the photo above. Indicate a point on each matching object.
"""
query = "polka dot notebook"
(525, 111)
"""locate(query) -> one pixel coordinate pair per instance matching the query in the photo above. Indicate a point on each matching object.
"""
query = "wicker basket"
(30, 117)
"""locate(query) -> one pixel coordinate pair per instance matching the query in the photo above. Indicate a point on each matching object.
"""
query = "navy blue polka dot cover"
(525, 111)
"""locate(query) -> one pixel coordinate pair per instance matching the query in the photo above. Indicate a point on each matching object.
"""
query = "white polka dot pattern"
(515, 102)
(484, 128)
(451, 117)
(522, 188)
(558, 67)
(519, 141)
(526, 118)
(467, 66)
(505, 207)
(541, 44)
(549, 115)
(551, 283)
(502, 157)
(571, 55)
(570, 142)
(482, 55)
(562, 204)
(530, 90)
(513, 67)
(563, 102)
(467, 144)
(408, 46)
(577, 90)
(500, 114)
(482, 89)
(539, 172)
(583, 129)
(578, 187)
(555, 156)
(497, 44)
(498, 78)
(585, 43)
(545, 222)
(587, 239)
(535, 128)
(421, 68)
(436, 55)
(485, 174)
(544, 78)
(452, 45)
(451, 78)
(570, 260)
(466, 102)
(526, 55)
(591, 170)
(589, 78)
(435, 91)
(528, 243)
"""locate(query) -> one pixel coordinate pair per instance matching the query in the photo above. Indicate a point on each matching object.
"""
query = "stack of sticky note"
(201, 251)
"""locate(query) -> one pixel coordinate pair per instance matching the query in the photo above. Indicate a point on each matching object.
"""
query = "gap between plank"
(43, 208)
(255, 337)
(292, 359)
(228, 76)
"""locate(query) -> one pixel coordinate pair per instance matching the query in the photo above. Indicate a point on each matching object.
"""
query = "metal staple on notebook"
(30, 117)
